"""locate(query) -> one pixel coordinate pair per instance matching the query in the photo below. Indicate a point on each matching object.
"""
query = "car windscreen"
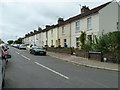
(37, 47)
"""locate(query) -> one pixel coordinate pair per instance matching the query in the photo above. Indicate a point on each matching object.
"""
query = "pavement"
(85, 61)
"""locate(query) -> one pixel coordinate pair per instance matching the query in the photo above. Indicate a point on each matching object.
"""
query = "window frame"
(77, 26)
(89, 23)
(77, 41)
(52, 33)
(63, 30)
(51, 42)
(65, 42)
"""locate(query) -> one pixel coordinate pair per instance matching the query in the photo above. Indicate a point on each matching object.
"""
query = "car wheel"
(3, 83)
(30, 52)
(34, 52)
(45, 54)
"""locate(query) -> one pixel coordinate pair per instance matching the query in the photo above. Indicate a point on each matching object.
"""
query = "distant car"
(22, 46)
(28, 47)
(3, 56)
(38, 50)
(16, 45)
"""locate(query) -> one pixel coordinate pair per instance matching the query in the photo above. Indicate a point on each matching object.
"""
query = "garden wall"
(83, 53)
(59, 50)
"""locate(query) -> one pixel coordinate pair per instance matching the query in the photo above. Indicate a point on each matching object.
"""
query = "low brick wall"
(95, 56)
(59, 50)
(81, 53)
(110, 57)
(84, 53)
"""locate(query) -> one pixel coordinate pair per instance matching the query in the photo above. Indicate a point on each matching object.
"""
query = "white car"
(22, 46)
(29, 47)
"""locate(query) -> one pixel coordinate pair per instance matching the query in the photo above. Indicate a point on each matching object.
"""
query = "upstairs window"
(37, 37)
(63, 29)
(52, 33)
(89, 23)
(46, 35)
(52, 42)
(77, 26)
(46, 42)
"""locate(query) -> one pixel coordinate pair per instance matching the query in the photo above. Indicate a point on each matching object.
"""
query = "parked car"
(38, 50)
(29, 47)
(2, 66)
(22, 46)
(16, 45)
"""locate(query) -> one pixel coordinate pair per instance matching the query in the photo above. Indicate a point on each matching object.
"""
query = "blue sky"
(18, 17)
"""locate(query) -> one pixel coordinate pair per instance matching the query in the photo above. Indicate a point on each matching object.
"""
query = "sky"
(19, 17)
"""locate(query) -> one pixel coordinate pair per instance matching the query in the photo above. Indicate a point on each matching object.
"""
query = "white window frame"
(51, 42)
(52, 33)
(89, 23)
(77, 41)
(46, 34)
(77, 26)
(63, 29)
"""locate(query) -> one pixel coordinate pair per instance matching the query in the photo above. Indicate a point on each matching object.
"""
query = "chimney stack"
(60, 20)
(48, 26)
(35, 31)
(39, 29)
(31, 32)
(84, 9)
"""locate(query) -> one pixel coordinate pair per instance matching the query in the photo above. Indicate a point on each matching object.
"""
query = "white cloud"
(54, 0)
(19, 17)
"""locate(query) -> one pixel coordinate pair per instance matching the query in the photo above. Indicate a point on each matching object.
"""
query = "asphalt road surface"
(25, 70)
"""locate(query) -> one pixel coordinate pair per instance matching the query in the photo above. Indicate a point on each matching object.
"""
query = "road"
(25, 70)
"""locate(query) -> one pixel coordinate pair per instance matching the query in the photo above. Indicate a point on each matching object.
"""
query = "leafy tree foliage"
(10, 41)
(82, 39)
(19, 41)
(109, 42)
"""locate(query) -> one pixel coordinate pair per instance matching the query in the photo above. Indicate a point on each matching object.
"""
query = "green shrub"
(109, 42)
(82, 39)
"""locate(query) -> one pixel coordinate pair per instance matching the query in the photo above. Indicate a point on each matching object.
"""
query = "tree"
(10, 41)
(82, 39)
(19, 41)
(1, 41)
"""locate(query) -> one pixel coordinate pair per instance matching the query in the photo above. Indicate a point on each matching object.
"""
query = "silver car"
(3, 57)
(38, 50)
(2, 70)
(22, 46)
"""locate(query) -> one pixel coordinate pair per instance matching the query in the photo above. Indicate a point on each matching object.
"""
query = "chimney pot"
(84, 9)
(60, 20)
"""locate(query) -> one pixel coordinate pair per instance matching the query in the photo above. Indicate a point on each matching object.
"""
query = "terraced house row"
(97, 21)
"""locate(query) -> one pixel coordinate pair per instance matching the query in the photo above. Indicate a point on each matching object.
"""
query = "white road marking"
(17, 52)
(52, 70)
(25, 57)
(16, 49)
